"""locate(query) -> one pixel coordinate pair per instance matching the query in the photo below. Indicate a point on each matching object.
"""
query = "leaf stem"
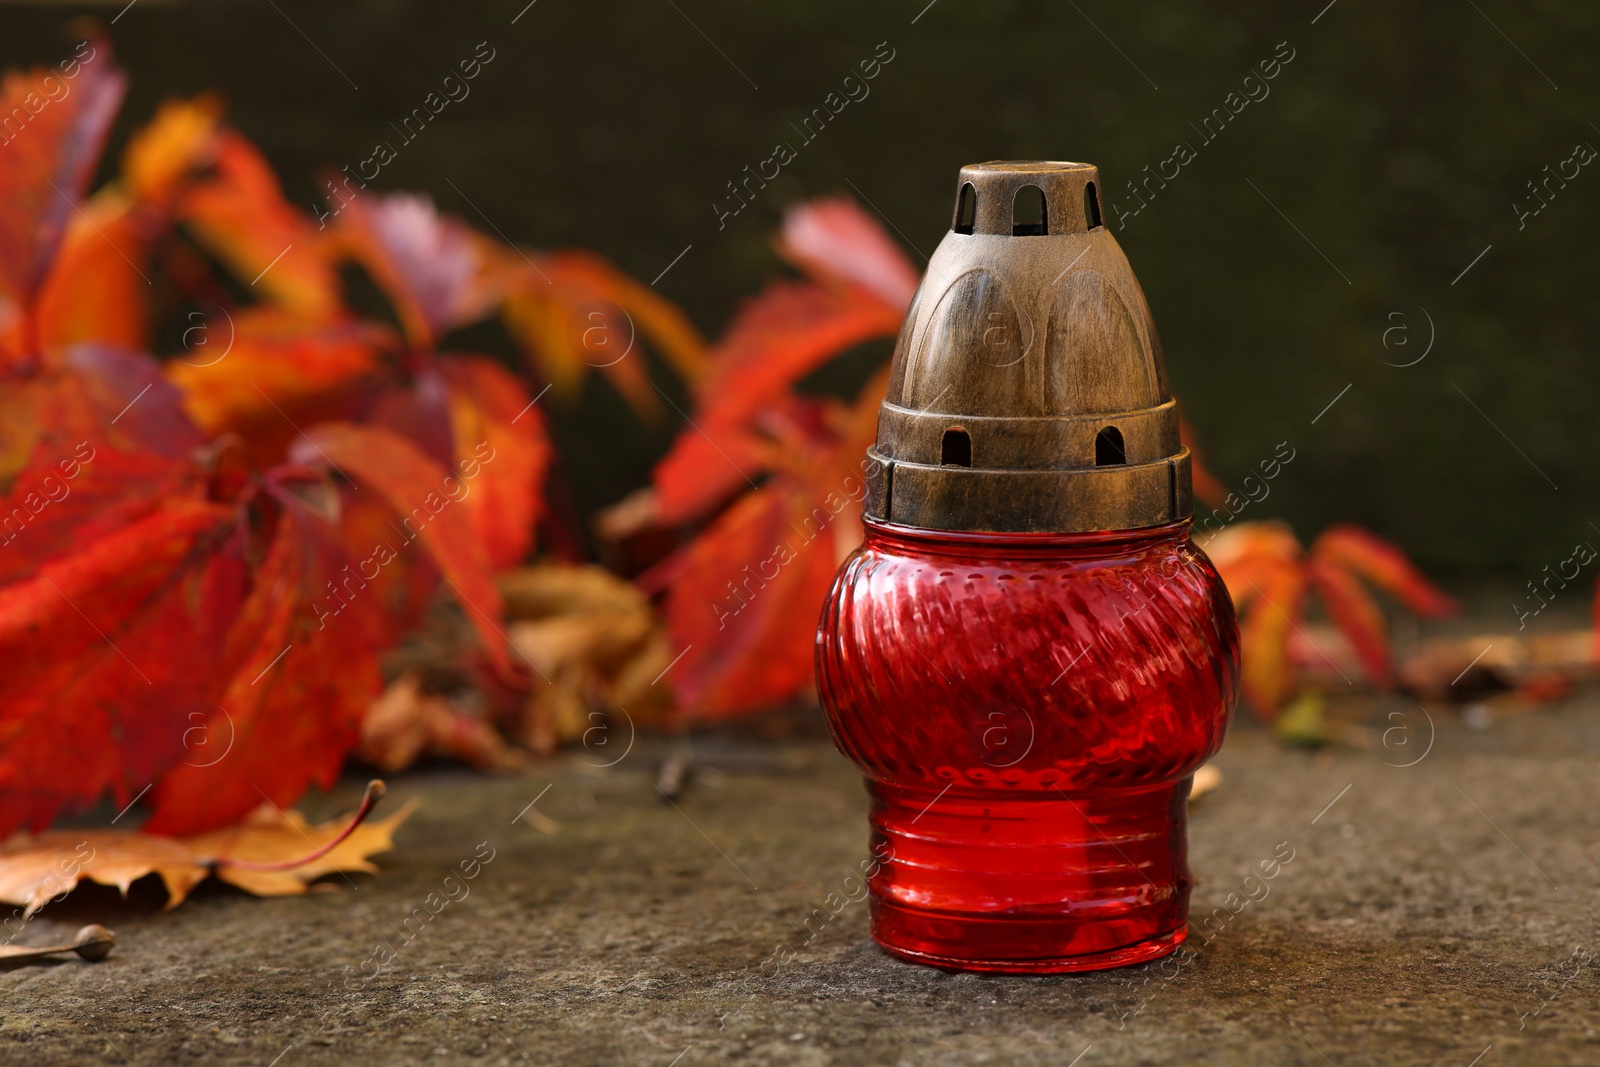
(369, 800)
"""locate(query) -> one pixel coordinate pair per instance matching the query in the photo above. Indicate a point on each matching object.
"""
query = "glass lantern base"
(973, 943)
(986, 880)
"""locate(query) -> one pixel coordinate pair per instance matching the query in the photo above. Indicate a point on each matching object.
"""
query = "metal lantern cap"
(1028, 391)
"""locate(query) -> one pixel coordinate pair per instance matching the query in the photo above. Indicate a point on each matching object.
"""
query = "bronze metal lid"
(1027, 391)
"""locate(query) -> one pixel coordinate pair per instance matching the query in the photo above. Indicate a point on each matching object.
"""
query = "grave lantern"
(1028, 658)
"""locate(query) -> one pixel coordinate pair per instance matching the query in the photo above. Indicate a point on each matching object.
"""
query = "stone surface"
(1432, 913)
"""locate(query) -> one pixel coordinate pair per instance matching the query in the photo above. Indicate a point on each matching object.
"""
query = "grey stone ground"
(1407, 929)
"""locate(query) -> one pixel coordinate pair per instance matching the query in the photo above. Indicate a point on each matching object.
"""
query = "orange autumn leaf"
(161, 157)
(98, 291)
(263, 371)
(407, 723)
(294, 852)
(238, 212)
(571, 312)
(599, 649)
(1248, 553)
(1266, 669)
(192, 169)
(1269, 576)
(48, 160)
(33, 870)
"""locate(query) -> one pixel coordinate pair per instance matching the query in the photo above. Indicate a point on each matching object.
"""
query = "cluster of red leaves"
(774, 477)
(1270, 577)
(201, 558)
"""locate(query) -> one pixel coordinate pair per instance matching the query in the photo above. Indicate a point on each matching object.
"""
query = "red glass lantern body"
(1028, 710)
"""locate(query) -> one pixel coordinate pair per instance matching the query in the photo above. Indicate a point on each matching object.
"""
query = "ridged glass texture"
(1028, 710)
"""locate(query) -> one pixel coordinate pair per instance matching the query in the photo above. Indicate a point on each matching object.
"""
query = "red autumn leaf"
(1353, 611)
(1386, 567)
(99, 650)
(178, 605)
(139, 407)
(427, 501)
(1207, 489)
(490, 410)
(404, 584)
(301, 662)
(745, 596)
(47, 162)
(789, 330)
(1596, 611)
(1256, 558)
(735, 607)
(781, 336)
(834, 239)
(84, 450)
(748, 633)
(707, 464)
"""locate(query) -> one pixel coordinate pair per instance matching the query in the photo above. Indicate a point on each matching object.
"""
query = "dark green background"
(1396, 140)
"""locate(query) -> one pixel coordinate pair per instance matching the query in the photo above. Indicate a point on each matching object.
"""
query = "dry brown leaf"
(262, 855)
(537, 592)
(604, 639)
(406, 723)
(598, 647)
(1465, 669)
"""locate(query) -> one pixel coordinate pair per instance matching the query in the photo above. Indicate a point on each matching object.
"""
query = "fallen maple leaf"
(271, 853)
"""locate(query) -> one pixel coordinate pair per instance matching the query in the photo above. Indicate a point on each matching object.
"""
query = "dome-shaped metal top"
(1027, 391)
